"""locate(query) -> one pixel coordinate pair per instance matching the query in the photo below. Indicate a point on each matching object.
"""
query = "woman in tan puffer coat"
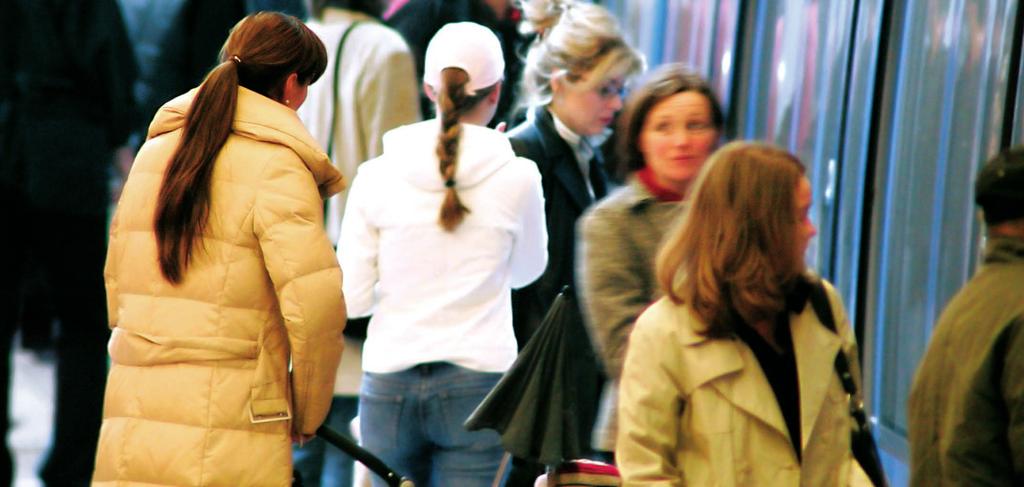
(219, 276)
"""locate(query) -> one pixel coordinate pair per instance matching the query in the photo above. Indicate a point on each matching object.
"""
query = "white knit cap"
(468, 46)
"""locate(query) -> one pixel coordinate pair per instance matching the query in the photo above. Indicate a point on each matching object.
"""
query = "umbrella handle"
(357, 452)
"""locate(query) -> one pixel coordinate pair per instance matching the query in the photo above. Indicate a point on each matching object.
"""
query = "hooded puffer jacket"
(200, 392)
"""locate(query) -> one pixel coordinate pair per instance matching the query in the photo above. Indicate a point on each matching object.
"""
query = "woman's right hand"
(301, 439)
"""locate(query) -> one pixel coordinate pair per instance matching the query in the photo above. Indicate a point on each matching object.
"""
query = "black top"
(176, 43)
(69, 71)
(565, 199)
(780, 368)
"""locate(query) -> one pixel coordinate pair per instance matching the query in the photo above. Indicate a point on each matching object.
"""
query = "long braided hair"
(452, 103)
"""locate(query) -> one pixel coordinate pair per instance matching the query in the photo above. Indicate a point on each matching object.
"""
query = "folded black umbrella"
(544, 406)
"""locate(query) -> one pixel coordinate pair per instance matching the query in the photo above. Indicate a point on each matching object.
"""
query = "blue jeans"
(413, 421)
(321, 464)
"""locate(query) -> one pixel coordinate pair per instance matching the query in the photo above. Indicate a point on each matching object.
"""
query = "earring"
(288, 103)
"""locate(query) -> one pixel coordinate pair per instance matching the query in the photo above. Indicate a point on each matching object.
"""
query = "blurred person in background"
(671, 124)
(223, 291)
(419, 20)
(176, 42)
(437, 232)
(575, 71)
(375, 91)
(295, 8)
(730, 378)
(966, 405)
(66, 84)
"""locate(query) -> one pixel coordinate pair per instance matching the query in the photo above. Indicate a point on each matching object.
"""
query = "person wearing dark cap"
(966, 405)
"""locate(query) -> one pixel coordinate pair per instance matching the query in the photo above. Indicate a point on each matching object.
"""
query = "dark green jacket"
(966, 406)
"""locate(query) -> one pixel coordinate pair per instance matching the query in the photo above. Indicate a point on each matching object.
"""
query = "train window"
(891, 106)
(704, 36)
(642, 24)
(791, 88)
(942, 113)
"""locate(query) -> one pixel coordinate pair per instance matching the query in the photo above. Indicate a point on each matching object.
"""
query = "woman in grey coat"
(670, 125)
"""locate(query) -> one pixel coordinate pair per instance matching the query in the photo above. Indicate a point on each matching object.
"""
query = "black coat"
(8, 23)
(73, 70)
(565, 199)
(176, 44)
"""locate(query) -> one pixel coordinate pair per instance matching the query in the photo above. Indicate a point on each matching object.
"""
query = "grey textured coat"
(618, 242)
(966, 406)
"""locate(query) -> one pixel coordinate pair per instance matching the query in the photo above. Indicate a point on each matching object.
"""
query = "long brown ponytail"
(452, 104)
(184, 199)
(262, 50)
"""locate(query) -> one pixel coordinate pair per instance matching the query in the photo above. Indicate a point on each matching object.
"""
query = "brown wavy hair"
(663, 82)
(261, 51)
(734, 252)
(452, 103)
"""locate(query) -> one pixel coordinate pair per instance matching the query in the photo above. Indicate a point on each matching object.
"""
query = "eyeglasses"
(608, 90)
(611, 89)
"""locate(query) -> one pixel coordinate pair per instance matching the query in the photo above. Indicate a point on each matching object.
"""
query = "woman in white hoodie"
(436, 233)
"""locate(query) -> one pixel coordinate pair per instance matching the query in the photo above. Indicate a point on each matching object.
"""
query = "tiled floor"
(31, 415)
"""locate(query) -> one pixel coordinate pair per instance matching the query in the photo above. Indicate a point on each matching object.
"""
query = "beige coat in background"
(377, 91)
(199, 391)
(699, 411)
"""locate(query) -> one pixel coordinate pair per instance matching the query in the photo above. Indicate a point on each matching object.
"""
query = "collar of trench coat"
(732, 369)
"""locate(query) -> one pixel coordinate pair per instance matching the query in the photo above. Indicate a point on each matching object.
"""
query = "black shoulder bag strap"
(334, 88)
(862, 442)
(355, 327)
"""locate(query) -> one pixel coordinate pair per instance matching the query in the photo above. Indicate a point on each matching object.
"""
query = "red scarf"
(647, 178)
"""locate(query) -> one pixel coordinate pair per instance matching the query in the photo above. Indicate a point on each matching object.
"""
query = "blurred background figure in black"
(66, 78)
(419, 20)
(176, 43)
(296, 8)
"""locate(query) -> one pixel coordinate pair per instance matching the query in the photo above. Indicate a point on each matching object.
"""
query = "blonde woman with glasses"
(575, 72)
(573, 80)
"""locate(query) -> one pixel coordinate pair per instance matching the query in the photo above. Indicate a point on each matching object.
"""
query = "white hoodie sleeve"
(530, 250)
(358, 247)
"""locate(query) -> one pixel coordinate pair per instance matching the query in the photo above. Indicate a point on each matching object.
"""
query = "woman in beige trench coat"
(729, 378)
(223, 290)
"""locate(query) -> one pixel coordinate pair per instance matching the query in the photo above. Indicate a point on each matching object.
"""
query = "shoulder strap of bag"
(334, 88)
(865, 452)
(822, 308)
